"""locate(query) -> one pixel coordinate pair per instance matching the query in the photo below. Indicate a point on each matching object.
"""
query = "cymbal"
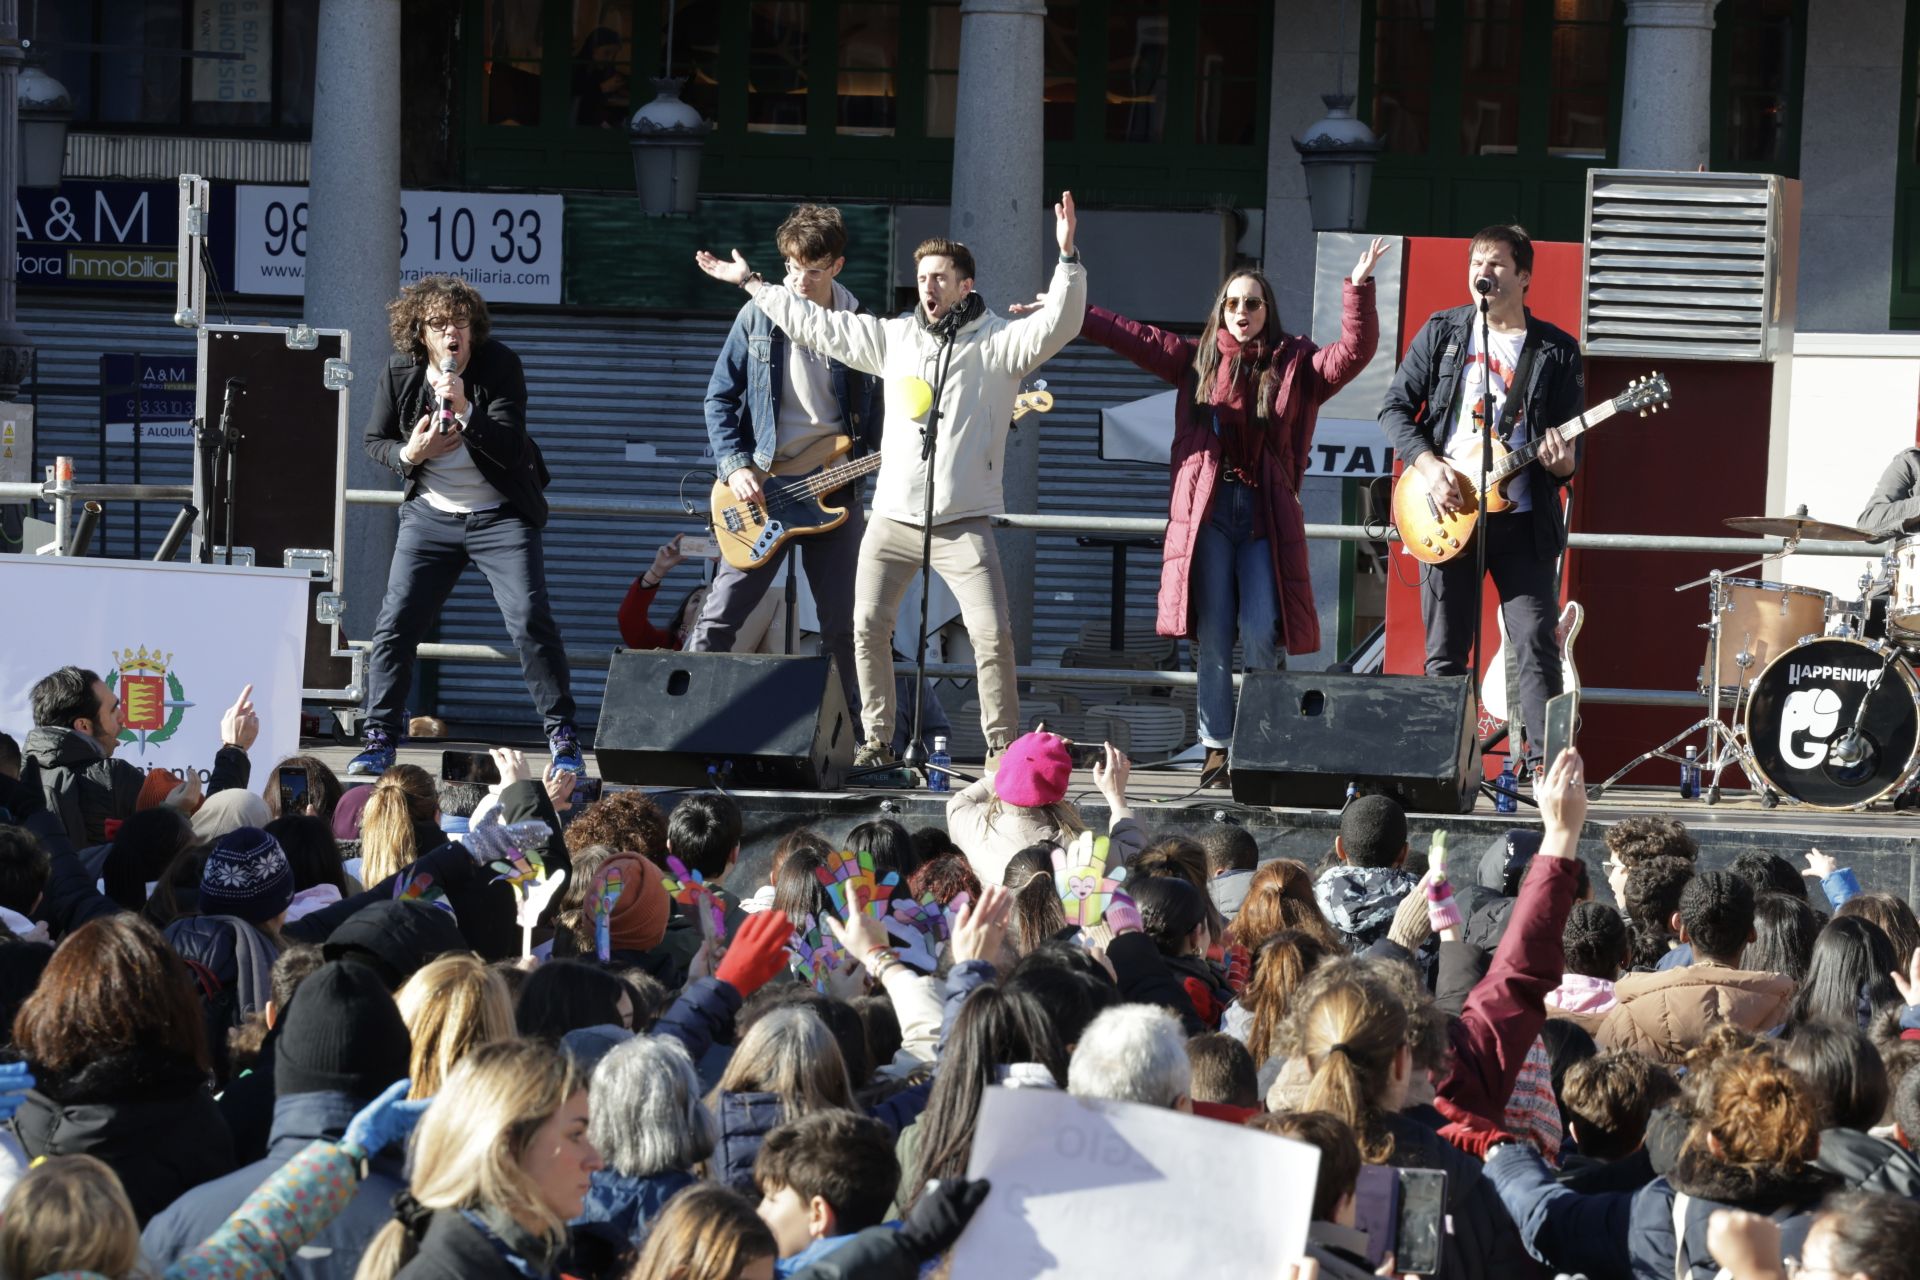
(1796, 527)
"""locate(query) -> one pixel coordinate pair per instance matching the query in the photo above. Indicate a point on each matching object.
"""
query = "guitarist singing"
(1433, 409)
(772, 400)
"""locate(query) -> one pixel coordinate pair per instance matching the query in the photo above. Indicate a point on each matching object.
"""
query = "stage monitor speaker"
(1299, 737)
(740, 720)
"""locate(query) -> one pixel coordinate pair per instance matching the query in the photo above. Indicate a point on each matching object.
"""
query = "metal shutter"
(1694, 266)
(596, 382)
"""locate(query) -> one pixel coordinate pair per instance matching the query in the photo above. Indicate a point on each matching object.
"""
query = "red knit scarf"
(1236, 381)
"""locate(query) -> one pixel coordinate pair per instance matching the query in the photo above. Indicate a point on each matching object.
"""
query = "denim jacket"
(743, 396)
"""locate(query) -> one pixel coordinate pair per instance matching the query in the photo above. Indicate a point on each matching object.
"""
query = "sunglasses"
(1249, 303)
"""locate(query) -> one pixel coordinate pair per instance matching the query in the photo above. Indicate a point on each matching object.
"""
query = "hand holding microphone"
(450, 391)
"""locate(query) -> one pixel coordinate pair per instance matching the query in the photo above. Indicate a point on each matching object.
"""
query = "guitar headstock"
(1646, 395)
(1032, 402)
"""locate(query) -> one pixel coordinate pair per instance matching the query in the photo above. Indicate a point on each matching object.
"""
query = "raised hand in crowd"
(512, 765)
(941, 1214)
(240, 724)
(1563, 805)
(1820, 865)
(1411, 926)
(757, 953)
(670, 554)
(560, 784)
(1907, 982)
(980, 928)
(1110, 776)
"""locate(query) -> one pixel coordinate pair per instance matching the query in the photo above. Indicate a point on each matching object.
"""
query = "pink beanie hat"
(1033, 770)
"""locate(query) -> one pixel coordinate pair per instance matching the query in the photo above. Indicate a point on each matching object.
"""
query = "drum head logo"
(1814, 714)
(152, 700)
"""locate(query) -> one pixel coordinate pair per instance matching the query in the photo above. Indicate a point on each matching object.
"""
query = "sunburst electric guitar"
(794, 503)
(1435, 538)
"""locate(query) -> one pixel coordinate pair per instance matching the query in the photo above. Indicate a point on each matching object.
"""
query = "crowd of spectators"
(327, 1032)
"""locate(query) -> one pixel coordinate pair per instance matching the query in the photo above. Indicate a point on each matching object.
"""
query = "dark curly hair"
(1769, 873)
(627, 821)
(944, 876)
(1716, 908)
(1635, 840)
(1595, 941)
(1651, 899)
(408, 314)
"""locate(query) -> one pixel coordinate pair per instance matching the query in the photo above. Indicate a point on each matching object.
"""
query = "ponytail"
(1037, 914)
(1350, 1026)
(391, 1249)
(386, 835)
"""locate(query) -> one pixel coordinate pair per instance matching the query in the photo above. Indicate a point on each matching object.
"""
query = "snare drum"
(1903, 606)
(1761, 620)
(1808, 699)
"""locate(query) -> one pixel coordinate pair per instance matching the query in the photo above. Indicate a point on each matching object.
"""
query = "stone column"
(16, 350)
(1001, 213)
(1666, 119)
(353, 249)
(1313, 53)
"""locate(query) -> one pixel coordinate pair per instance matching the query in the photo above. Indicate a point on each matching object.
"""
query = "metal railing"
(74, 493)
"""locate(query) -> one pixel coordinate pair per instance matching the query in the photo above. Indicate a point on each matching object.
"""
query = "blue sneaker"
(376, 756)
(564, 745)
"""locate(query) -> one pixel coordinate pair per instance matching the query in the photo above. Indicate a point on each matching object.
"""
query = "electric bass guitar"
(1494, 699)
(794, 497)
(1435, 538)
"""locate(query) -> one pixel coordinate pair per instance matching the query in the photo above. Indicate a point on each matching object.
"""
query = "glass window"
(869, 50)
(1403, 74)
(1582, 76)
(1137, 71)
(601, 95)
(135, 88)
(695, 55)
(512, 46)
(299, 36)
(1061, 100)
(777, 66)
(1490, 71)
(1759, 77)
(1227, 83)
(943, 68)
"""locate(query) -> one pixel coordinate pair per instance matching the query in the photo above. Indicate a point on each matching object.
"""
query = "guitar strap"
(1517, 390)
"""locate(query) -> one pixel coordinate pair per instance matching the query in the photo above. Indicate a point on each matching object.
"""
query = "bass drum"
(1805, 703)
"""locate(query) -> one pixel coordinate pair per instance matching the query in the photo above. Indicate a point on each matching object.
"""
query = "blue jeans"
(432, 550)
(1232, 585)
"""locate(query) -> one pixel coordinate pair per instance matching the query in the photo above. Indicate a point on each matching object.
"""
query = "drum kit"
(1813, 697)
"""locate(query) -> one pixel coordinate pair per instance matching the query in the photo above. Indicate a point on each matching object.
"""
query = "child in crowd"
(822, 1178)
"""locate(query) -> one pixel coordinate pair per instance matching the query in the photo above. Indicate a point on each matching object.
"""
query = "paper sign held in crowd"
(1103, 1189)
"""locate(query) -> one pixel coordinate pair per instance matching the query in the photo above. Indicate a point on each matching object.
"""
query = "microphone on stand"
(1483, 285)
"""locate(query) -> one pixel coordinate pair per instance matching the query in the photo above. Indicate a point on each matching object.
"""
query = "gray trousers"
(832, 561)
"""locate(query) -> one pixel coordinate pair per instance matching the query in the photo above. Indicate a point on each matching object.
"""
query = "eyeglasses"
(1248, 303)
(807, 273)
(447, 322)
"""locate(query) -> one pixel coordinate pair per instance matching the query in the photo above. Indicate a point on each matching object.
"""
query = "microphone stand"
(1480, 541)
(215, 445)
(915, 758)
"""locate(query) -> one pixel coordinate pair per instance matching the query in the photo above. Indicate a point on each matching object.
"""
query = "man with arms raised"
(977, 359)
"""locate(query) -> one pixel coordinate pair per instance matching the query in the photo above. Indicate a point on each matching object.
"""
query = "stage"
(1880, 846)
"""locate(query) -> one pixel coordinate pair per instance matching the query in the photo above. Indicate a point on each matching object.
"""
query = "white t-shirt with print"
(1473, 382)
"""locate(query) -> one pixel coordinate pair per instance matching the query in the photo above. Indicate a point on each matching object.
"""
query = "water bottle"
(1353, 793)
(1690, 775)
(937, 781)
(1506, 790)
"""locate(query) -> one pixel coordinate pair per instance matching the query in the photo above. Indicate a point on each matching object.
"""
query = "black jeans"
(1529, 590)
(428, 557)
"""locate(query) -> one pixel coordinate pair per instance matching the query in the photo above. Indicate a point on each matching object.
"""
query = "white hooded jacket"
(991, 356)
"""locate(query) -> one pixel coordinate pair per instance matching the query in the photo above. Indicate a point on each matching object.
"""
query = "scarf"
(1236, 382)
(962, 314)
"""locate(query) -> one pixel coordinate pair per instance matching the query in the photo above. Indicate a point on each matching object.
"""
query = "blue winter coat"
(614, 1220)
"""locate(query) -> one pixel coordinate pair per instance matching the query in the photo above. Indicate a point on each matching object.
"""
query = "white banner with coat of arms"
(176, 642)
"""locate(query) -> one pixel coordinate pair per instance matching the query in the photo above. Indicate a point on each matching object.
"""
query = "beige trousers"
(968, 561)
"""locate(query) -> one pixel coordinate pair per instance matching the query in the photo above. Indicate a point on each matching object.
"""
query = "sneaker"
(563, 743)
(376, 754)
(873, 754)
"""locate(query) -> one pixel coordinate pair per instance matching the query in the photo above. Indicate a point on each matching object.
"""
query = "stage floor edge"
(1880, 845)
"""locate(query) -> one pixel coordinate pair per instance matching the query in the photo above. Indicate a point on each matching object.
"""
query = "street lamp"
(1338, 152)
(667, 135)
(45, 109)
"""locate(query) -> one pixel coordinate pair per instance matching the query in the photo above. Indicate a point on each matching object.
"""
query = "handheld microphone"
(449, 366)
